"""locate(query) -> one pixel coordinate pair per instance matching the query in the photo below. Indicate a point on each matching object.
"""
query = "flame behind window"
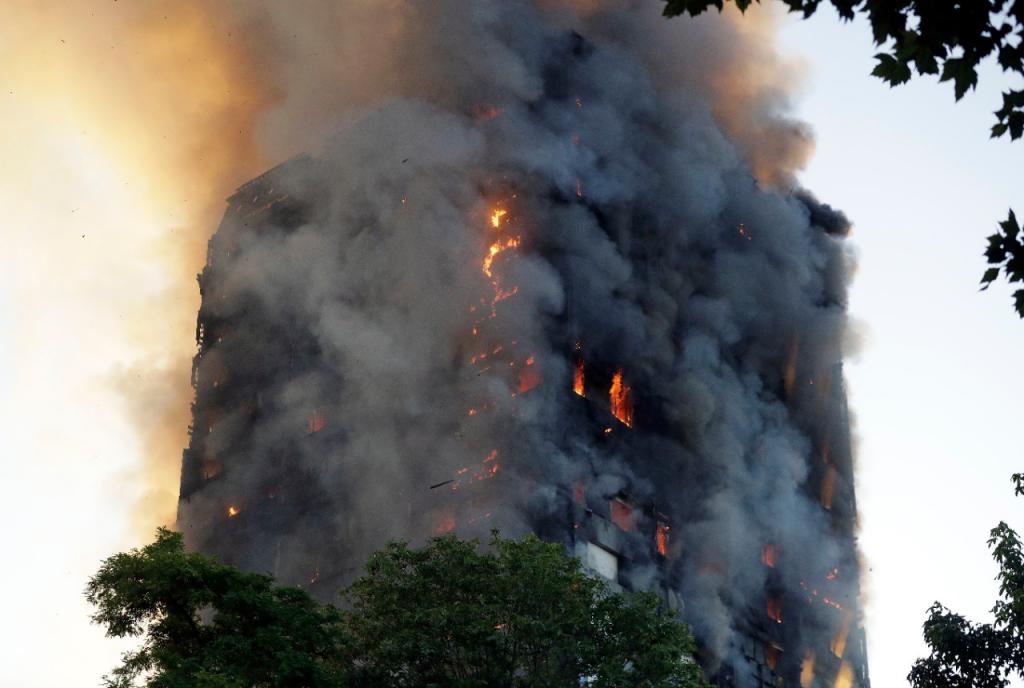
(578, 379)
(622, 514)
(844, 677)
(661, 538)
(621, 398)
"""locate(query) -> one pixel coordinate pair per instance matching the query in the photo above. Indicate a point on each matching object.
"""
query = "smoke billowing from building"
(555, 275)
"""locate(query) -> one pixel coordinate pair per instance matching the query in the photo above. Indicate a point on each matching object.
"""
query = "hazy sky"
(935, 390)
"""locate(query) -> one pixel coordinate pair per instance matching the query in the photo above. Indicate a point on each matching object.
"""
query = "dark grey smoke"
(645, 243)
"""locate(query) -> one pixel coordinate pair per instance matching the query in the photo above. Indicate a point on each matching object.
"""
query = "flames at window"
(621, 397)
(661, 538)
(774, 609)
(622, 514)
(768, 555)
(578, 379)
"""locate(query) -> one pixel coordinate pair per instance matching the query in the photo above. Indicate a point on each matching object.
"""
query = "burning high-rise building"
(546, 294)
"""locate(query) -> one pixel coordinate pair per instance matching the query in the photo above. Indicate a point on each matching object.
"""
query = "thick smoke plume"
(509, 188)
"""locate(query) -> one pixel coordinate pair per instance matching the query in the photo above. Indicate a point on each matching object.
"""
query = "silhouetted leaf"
(891, 70)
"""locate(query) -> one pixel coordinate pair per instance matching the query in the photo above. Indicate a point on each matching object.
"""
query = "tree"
(970, 655)
(521, 614)
(207, 625)
(948, 38)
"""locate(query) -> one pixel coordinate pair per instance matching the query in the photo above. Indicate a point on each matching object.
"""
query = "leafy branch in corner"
(944, 38)
(969, 655)
(1006, 252)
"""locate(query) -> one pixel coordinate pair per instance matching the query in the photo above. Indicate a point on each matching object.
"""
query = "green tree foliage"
(519, 614)
(207, 625)
(522, 614)
(969, 655)
(949, 39)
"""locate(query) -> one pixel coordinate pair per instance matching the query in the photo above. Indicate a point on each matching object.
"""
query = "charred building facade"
(571, 310)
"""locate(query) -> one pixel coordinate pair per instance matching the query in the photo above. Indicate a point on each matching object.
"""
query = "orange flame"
(807, 670)
(768, 554)
(578, 379)
(838, 645)
(496, 217)
(661, 538)
(621, 399)
(771, 656)
(232, 511)
(844, 677)
(774, 609)
(496, 248)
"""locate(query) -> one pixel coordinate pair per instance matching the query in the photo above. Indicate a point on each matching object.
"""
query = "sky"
(935, 389)
(934, 382)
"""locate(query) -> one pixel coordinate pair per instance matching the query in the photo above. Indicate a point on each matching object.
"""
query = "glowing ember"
(529, 377)
(578, 380)
(661, 538)
(621, 399)
(484, 113)
(768, 554)
(744, 233)
(774, 609)
(232, 511)
(807, 670)
(844, 677)
(316, 421)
